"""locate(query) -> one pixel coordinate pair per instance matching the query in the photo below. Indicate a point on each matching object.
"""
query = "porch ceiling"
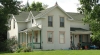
(30, 29)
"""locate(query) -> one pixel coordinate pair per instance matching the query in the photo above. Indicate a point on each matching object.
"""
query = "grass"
(58, 52)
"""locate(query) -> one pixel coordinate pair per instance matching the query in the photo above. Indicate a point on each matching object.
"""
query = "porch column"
(40, 39)
(81, 39)
(19, 40)
(87, 37)
(32, 38)
(26, 39)
(22, 37)
(73, 39)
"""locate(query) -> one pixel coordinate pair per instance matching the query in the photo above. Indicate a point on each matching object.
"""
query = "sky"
(66, 5)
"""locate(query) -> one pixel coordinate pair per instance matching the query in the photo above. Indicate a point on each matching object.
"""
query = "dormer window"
(32, 20)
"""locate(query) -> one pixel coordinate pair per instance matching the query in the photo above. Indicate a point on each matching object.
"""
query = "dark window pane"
(32, 20)
(14, 24)
(61, 21)
(50, 21)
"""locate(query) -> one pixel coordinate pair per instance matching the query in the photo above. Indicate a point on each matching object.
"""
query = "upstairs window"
(10, 24)
(14, 24)
(32, 20)
(61, 21)
(50, 21)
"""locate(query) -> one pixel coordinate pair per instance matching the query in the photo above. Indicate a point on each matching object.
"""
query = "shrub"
(24, 49)
(28, 49)
(11, 45)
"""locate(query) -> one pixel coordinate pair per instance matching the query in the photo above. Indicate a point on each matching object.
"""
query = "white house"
(52, 28)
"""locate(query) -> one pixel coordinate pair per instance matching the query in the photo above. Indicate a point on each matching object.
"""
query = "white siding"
(13, 32)
(21, 26)
(56, 13)
(29, 24)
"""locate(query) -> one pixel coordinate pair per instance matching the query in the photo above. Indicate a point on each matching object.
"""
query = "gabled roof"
(44, 12)
(76, 16)
(35, 13)
(22, 16)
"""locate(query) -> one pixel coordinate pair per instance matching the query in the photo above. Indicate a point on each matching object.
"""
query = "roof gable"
(44, 12)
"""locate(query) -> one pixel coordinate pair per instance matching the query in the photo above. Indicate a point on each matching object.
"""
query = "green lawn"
(58, 52)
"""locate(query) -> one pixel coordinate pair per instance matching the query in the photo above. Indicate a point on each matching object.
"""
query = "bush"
(28, 49)
(12, 45)
(24, 49)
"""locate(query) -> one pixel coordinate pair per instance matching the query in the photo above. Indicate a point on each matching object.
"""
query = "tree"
(6, 7)
(35, 6)
(91, 11)
(26, 7)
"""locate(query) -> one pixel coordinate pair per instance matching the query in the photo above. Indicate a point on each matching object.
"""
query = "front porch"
(30, 38)
(80, 38)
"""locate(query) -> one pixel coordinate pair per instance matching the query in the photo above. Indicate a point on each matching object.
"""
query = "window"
(61, 21)
(14, 24)
(32, 20)
(50, 36)
(62, 37)
(10, 24)
(50, 19)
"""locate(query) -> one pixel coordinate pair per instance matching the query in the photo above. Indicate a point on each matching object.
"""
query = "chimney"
(56, 4)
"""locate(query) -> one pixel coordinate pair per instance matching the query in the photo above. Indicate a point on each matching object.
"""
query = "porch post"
(40, 39)
(26, 39)
(22, 37)
(81, 39)
(73, 39)
(19, 40)
(32, 38)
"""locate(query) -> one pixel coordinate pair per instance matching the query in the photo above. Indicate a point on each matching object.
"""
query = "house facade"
(49, 29)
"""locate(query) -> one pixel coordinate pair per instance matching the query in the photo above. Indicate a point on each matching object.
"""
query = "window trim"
(60, 22)
(52, 37)
(64, 36)
(52, 21)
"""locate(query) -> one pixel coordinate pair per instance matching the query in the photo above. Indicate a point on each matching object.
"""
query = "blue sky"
(67, 5)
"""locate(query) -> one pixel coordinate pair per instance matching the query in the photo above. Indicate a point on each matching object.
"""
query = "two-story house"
(52, 28)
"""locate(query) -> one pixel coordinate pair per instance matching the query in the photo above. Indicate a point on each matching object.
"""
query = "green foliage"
(35, 6)
(27, 49)
(6, 7)
(12, 45)
(91, 10)
(24, 49)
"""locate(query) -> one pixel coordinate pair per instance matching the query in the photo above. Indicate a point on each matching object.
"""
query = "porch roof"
(30, 29)
(79, 31)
